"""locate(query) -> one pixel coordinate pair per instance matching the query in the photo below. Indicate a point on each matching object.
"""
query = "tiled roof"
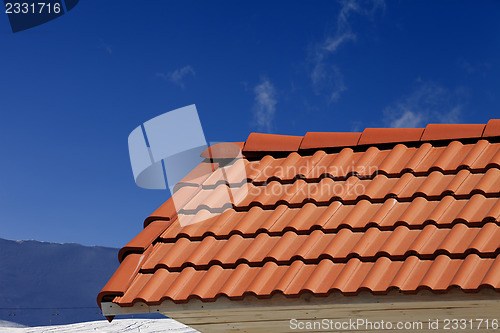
(383, 209)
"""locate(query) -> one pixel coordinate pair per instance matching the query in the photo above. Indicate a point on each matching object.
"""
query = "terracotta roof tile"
(318, 140)
(492, 128)
(395, 161)
(457, 242)
(371, 136)
(379, 277)
(223, 150)
(387, 214)
(382, 210)
(452, 131)
(259, 142)
(144, 239)
(123, 277)
(352, 189)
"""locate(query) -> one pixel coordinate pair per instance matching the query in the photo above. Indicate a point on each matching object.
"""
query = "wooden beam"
(275, 314)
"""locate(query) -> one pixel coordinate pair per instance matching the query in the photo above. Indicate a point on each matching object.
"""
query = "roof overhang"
(307, 300)
(280, 313)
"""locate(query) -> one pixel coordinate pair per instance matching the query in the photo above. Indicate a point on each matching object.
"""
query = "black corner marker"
(26, 14)
(70, 4)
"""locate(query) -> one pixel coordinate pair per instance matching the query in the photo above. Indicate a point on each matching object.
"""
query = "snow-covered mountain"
(48, 283)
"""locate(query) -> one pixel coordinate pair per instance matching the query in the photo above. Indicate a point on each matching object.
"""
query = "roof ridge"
(263, 142)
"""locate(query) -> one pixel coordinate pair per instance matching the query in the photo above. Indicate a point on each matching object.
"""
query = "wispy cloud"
(429, 103)
(482, 67)
(177, 77)
(107, 47)
(329, 78)
(326, 76)
(265, 105)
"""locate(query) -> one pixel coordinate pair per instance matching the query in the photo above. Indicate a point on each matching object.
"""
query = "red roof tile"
(331, 218)
(258, 142)
(318, 140)
(284, 248)
(392, 209)
(144, 239)
(492, 128)
(371, 136)
(452, 131)
(379, 277)
(223, 150)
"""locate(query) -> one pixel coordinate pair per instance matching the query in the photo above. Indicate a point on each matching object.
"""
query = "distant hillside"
(48, 283)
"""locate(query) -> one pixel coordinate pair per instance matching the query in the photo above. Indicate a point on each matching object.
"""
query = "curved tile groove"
(364, 214)
(365, 164)
(426, 243)
(380, 188)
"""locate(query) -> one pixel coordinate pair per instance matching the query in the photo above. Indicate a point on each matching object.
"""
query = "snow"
(5, 323)
(117, 325)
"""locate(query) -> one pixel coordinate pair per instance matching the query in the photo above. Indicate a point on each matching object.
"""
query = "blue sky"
(73, 89)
